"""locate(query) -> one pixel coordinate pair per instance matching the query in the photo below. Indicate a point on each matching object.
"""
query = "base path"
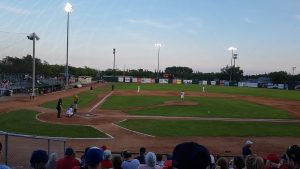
(105, 121)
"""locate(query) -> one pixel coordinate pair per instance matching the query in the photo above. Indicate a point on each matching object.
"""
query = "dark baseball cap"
(38, 156)
(190, 155)
(126, 154)
(69, 151)
(94, 156)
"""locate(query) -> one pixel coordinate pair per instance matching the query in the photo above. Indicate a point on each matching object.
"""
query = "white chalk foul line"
(71, 138)
(100, 102)
(148, 135)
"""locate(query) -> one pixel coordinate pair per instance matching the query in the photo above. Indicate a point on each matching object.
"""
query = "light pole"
(114, 66)
(293, 68)
(158, 45)
(33, 37)
(68, 9)
(232, 56)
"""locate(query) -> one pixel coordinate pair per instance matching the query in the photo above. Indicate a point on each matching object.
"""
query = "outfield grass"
(24, 122)
(178, 128)
(85, 98)
(272, 93)
(207, 107)
(128, 102)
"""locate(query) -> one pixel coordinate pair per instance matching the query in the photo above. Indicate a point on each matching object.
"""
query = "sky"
(193, 33)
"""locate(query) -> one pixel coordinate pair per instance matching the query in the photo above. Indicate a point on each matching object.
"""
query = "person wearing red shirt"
(69, 161)
(107, 162)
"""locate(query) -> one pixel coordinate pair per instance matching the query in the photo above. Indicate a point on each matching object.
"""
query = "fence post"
(6, 148)
(48, 146)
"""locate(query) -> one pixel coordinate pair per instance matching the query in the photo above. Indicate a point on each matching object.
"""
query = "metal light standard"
(33, 37)
(159, 46)
(293, 68)
(68, 9)
(232, 56)
(114, 66)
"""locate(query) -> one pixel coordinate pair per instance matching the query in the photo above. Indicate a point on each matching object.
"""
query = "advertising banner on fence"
(163, 81)
(120, 79)
(134, 80)
(242, 84)
(152, 80)
(213, 83)
(204, 82)
(250, 84)
(178, 81)
(127, 79)
(146, 80)
(187, 81)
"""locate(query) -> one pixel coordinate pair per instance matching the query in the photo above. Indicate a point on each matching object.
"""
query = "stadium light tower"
(33, 37)
(68, 9)
(114, 52)
(232, 49)
(159, 46)
(293, 68)
(234, 58)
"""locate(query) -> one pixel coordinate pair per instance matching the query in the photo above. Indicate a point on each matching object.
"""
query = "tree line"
(14, 65)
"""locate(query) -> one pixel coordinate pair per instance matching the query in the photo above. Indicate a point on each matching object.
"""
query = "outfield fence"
(17, 149)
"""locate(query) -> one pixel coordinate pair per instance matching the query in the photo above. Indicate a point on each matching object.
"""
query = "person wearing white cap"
(246, 149)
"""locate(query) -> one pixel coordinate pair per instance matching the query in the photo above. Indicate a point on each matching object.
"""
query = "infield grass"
(246, 91)
(85, 98)
(177, 128)
(24, 122)
(206, 107)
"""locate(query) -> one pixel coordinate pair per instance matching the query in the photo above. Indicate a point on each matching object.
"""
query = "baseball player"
(138, 90)
(59, 107)
(182, 95)
(75, 103)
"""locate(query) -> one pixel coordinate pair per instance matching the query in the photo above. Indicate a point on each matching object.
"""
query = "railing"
(17, 148)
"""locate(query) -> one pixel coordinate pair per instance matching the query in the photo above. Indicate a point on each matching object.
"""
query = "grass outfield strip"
(85, 98)
(24, 122)
(127, 102)
(207, 107)
(272, 93)
(164, 128)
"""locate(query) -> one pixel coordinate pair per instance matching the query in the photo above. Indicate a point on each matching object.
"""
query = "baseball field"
(157, 118)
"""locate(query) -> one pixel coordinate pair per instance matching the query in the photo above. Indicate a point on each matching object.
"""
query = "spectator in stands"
(190, 155)
(222, 163)
(141, 157)
(247, 149)
(51, 164)
(39, 159)
(59, 107)
(168, 162)
(93, 158)
(128, 162)
(82, 158)
(254, 162)
(272, 161)
(160, 161)
(150, 160)
(69, 161)
(238, 162)
(293, 155)
(4, 167)
(107, 162)
(117, 162)
(284, 162)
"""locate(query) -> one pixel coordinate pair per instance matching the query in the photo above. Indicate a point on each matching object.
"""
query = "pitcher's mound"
(180, 103)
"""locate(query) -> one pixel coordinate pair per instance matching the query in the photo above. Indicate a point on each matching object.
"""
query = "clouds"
(155, 24)
(248, 20)
(14, 10)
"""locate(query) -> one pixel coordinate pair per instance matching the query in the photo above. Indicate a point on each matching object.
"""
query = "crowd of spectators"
(188, 155)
